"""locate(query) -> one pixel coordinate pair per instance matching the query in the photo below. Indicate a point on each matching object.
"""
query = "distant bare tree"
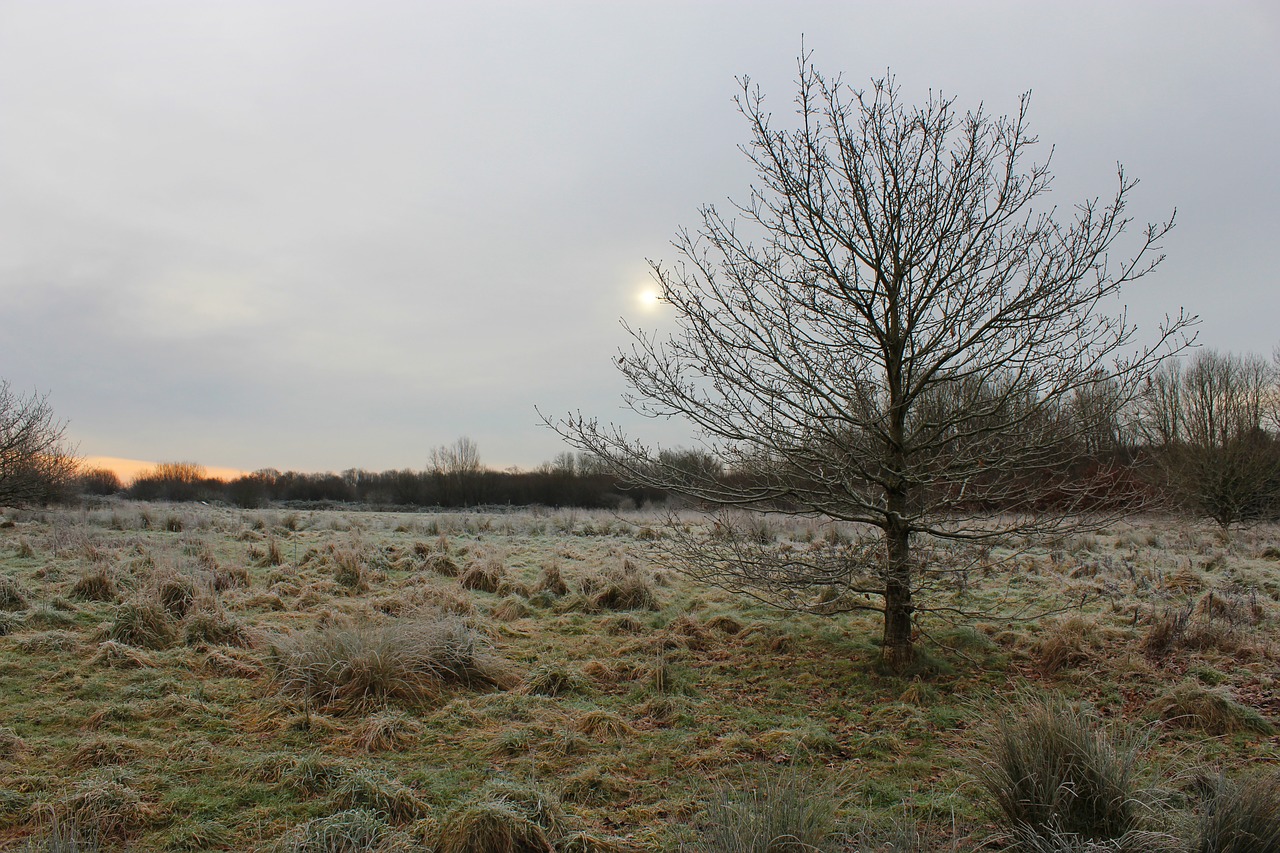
(36, 464)
(1212, 426)
(889, 334)
(457, 467)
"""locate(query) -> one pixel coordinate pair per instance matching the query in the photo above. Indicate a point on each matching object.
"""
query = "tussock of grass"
(491, 827)
(384, 731)
(376, 791)
(231, 577)
(486, 575)
(117, 654)
(627, 588)
(554, 679)
(349, 831)
(46, 615)
(220, 663)
(592, 786)
(96, 585)
(176, 594)
(786, 812)
(12, 595)
(310, 774)
(551, 581)
(212, 625)
(443, 565)
(106, 810)
(142, 622)
(60, 836)
(503, 818)
(603, 725)
(104, 752)
(1053, 770)
(349, 670)
(11, 746)
(1191, 705)
(1241, 816)
(510, 609)
(1066, 644)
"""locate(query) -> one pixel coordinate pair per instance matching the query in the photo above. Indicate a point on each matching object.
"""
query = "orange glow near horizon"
(128, 469)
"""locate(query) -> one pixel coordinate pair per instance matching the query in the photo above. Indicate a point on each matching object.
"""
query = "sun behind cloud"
(649, 298)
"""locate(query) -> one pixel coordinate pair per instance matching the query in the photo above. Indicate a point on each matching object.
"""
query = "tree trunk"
(897, 652)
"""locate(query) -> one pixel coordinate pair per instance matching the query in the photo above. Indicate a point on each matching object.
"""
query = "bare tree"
(457, 468)
(1212, 428)
(36, 464)
(888, 333)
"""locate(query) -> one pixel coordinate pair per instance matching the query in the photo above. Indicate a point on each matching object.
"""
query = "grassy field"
(202, 678)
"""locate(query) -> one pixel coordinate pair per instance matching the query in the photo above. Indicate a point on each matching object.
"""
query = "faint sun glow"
(649, 299)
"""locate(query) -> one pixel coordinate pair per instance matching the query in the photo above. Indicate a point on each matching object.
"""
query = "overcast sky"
(318, 235)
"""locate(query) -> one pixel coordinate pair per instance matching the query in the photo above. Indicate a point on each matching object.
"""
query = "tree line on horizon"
(1204, 436)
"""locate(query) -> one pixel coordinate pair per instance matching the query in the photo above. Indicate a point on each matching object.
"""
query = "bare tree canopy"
(890, 331)
(36, 464)
(1212, 427)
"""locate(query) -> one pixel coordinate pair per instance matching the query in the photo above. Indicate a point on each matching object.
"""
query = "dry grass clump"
(1053, 770)
(1191, 705)
(221, 663)
(350, 569)
(96, 585)
(1195, 627)
(11, 746)
(12, 596)
(103, 752)
(349, 670)
(105, 810)
(176, 594)
(551, 581)
(384, 731)
(443, 565)
(503, 818)
(627, 588)
(486, 575)
(1241, 816)
(142, 622)
(117, 654)
(510, 609)
(1066, 644)
(785, 812)
(603, 725)
(554, 679)
(232, 577)
(60, 836)
(592, 786)
(374, 790)
(349, 831)
(211, 625)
